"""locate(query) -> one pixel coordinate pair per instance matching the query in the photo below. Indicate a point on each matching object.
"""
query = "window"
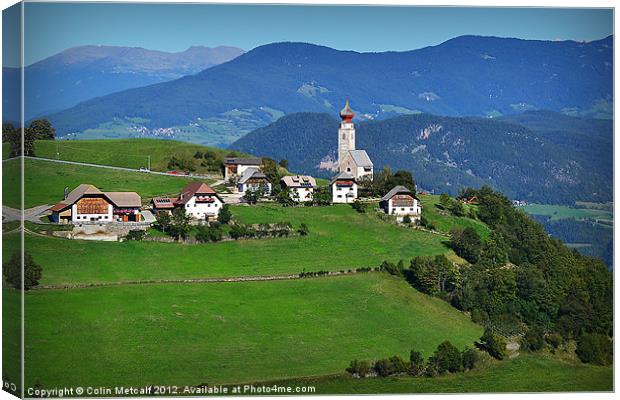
(216, 204)
(411, 209)
(402, 209)
(339, 196)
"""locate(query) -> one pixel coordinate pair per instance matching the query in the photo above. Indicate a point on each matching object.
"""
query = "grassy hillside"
(444, 221)
(45, 181)
(233, 332)
(339, 239)
(527, 373)
(130, 153)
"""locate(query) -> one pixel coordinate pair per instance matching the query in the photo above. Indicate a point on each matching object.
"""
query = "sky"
(53, 27)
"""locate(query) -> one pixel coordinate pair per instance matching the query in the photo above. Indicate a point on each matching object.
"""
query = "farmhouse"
(235, 166)
(355, 162)
(198, 199)
(301, 187)
(344, 188)
(400, 201)
(253, 179)
(86, 203)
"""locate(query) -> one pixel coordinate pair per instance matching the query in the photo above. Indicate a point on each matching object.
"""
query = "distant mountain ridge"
(81, 73)
(468, 75)
(446, 154)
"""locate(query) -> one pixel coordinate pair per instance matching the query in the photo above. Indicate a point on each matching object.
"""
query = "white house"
(253, 179)
(301, 187)
(198, 199)
(86, 203)
(236, 166)
(344, 188)
(355, 162)
(400, 201)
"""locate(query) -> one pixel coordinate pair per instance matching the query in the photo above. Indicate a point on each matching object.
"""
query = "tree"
(270, 169)
(359, 206)
(209, 233)
(444, 200)
(466, 243)
(447, 358)
(13, 273)
(284, 197)
(225, 215)
(595, 348)
(283, 163)
(252, 196)
(495, 345)
(402, 178)
(416, 363)
(383, 367)
(163, 220)
(180, 223)
(303, 229)
(135, 234)
(13, 136)
(41, 129)
(533, 338)
(433, 275)
(470, 358)
(321, 197)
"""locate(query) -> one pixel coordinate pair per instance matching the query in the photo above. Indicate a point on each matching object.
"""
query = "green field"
(560, 212)
(230, 332)
(444, 221)
(129, 153)
(527, 373)
(339, 239)
(44, 181)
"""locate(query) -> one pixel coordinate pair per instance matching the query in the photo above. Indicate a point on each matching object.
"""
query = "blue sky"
(53, 27)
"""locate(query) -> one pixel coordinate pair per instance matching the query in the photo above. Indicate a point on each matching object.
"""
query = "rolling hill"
(572, 161)
(467, 75)
(85, 72)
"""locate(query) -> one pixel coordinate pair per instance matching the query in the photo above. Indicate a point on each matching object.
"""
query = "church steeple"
(346, 113)
(346, 134)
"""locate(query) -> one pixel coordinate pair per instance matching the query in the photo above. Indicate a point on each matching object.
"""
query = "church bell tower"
(346, 133)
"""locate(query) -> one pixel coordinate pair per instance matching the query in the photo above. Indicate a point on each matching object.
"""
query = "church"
(350, 160)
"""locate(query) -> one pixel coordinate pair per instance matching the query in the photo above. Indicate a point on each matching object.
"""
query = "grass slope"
(444, 221)
(527, 373)
(130, 153)
(339, 239)
(44, 181)
(231, 332)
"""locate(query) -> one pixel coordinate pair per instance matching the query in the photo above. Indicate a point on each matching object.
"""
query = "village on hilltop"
(87, 205)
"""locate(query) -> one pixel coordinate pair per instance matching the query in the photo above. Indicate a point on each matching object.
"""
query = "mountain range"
(467, 75)
(81, 73)
(538, 156)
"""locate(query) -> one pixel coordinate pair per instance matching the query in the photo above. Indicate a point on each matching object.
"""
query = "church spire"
(346, 113)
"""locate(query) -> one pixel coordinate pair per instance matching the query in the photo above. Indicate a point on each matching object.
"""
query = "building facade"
(234, 167)
(198, 200)
(301, 187)
(400, 201)
(253, 179)
(343, 188)
(86, 203)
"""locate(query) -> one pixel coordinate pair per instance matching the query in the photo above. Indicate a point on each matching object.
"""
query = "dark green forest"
(555, 159)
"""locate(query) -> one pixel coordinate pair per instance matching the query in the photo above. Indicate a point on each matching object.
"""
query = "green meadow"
(556, 212)
(187, 334)
(526, 373)
(444, 221)
(339, 238)
(44, 181)
(128, 153)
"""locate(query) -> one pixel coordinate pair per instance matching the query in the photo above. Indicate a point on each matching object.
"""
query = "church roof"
(346, 113)
(360, 158)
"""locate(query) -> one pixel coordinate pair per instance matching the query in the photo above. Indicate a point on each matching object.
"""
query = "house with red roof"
(198, 199)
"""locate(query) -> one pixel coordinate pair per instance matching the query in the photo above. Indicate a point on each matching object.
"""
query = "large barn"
(86, 203)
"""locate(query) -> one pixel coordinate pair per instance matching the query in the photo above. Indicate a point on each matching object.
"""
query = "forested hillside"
(445, 154)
